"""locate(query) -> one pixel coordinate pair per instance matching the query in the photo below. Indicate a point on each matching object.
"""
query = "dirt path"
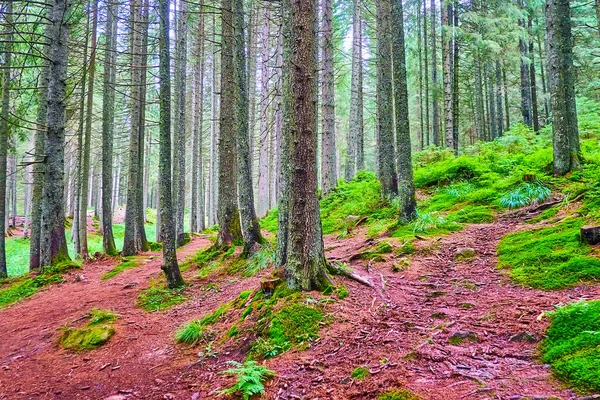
(401, 332)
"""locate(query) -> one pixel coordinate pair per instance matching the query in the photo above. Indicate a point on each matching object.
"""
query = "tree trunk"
(544, 85)
(426, 75)
(448, 77)
(406, 184)
(493, 120)
(214, 136)
(228, 212)
(434, 78)
(53, 243)
(197, 210)
(525, 84)
(455, 88)
(85, 162)
(248, 219)
(328, 156)
(506, 104)
(170, 266)
(4, 131)
(561, 77)
(108, 127)
(179, 124)
(385, 110)
(305, 266)
(479, 108)
(532, 80)
(263, 139)
(355, 155)
(500, 114)
(420, 93)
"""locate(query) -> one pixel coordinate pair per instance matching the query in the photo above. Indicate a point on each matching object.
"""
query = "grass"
(250, 379)
(549, 258)
(190, 333)
(159, 298)
(572, 345)
(129, 264)
(17, 289)
(94, 334)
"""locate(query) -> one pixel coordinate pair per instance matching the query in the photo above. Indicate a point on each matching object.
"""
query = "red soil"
(407, 321)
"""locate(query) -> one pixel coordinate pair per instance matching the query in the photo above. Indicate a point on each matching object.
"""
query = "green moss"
(545, 215)
(94, 334)
(120, 268)
(444, 172)
(157, 298)
(472, 215)
(398, 394)
(375, 252)
(572, 345)
(295, 324)
(549, 258)
(213, 318)
(342, 292)
(360, 373)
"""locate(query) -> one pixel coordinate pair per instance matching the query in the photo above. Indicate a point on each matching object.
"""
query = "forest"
(300, 199)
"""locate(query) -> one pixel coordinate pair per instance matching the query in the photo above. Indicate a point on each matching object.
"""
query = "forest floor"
(401, 330)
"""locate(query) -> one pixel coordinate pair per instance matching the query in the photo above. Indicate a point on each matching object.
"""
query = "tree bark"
(248, 220)
(525, 84)
(479, 108)
(170, 266)
(500, 114)
(4, 131)
(305, 266)
(406, 184)
(455, 82)
(197, 216)
(434, 78)
(228, 212)
(447, 73)
(263, 139)
(53, 243)
(385, 111)
(561, 77)
(108, 127)
(328, 155)
(355, 156)
(532, 79)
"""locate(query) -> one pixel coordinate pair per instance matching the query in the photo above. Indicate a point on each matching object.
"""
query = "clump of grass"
(250, 378)
(260, 260)
(524, 195)
(94, 334)
(398, 394)
(549, 258)
(129, 264)
(360, 373)
(18, 289)
(190, 333)
(157, 298)
(572, 345)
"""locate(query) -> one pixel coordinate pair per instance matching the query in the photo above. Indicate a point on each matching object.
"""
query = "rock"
(401, 265)
(590, 234)
(524, 337)
(464, 253)
(459, 337)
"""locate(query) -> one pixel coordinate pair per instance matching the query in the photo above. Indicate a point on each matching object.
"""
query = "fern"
(526, 194)
(250, 378)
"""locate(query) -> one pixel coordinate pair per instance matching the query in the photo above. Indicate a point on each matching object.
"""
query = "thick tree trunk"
(500, 114)
(170, 266)
(179, 132)
(305, 266)
(4, 132)
(252, 57)
(420, 93)
(561, 77)
(248, 220)
(263, 138)
(53, 243)
(544, 85)
(228, 212)
(479, 108)
(108, 127)
(86, 150)
(455, 88)
(385, 108)
(426, 100)
(214, 134)
(355, 155)
(406, 184)
(278, 106)
(525, 84)
(493, 120)
(328, 155)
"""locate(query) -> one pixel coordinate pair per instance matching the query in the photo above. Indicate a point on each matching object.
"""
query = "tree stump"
(591, 234)
(268, 285)
(529, 178)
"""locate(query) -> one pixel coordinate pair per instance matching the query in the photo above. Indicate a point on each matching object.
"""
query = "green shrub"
(250, 378)
(572, 344)
(549, 258)
(447, 171)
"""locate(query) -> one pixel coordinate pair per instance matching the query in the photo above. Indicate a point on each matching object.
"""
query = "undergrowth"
(549, 258)
(125, 265)
(250, 378)
(160, 298)
(17, 289)
(398, 394)
(572, 345)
